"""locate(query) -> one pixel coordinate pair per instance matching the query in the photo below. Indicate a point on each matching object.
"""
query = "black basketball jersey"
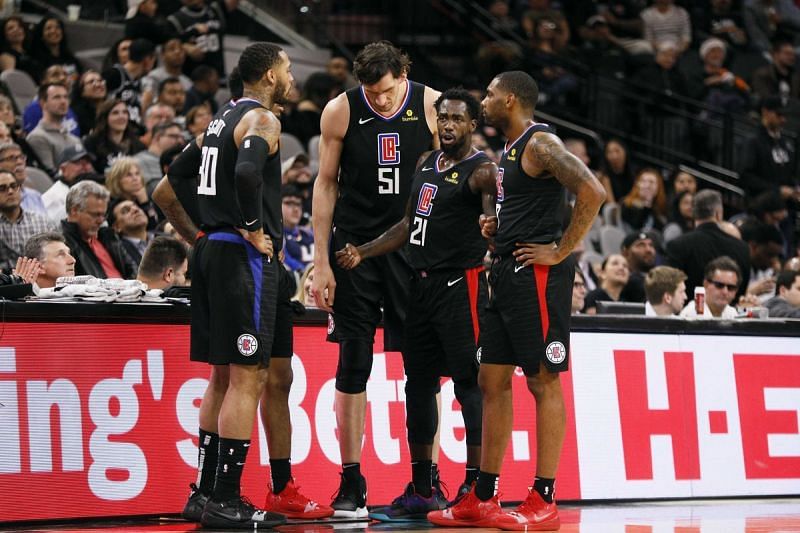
(529, 209)
(378, 160)
(217, 201)
(130, 92)
(443, 230)
(185, 21)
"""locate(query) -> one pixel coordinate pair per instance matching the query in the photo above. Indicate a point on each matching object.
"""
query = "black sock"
(232, 456)
(471, 475)
(351, 472)
(207, 454)
(281, 472)
(422, 477)
(545, 487)
(486, 485)
(435, 481)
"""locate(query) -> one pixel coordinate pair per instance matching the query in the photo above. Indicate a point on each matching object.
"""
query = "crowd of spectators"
(78, 165)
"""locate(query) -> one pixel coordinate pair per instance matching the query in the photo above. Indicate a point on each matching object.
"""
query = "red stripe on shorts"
(472, 290)
(540, 273)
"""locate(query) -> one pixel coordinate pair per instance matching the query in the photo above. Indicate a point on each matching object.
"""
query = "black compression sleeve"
(186, 166)
(248, 177)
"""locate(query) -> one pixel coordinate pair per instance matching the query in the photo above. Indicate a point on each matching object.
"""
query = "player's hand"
(323, 287)
(259, 240)
(488, 225)
(538, 254)
(28, 268)
(348, 257)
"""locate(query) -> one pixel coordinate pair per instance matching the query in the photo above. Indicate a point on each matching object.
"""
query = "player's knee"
(219, 379)
(468, 394)
(355, 365)
(280, 377)
(422, 413)
(544, 384)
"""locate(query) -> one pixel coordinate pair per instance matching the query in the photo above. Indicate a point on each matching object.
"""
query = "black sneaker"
(410, 506)
(440, 492)
(351, 500)
(239, 513)
(193, 509)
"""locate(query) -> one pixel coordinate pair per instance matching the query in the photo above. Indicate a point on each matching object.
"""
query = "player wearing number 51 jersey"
(371, 138)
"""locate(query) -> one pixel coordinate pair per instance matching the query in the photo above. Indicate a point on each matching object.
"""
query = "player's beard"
(454, 148)
(281, 93)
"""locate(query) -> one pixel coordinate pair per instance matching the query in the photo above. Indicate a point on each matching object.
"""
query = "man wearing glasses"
(722, 279)
(13, 160)
(17, 225)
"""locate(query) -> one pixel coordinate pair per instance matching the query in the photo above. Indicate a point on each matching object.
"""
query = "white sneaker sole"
(360, 512)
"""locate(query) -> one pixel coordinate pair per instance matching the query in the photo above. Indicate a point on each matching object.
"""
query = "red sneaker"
(470, 511)
(534, 514)
(291, 503)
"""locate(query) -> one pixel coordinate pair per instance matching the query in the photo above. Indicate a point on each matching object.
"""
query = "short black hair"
(377, 59)
(141, 49)
(462, 95)
(256, 59)
(167, 81)
(159, 129)
(235, 84)
(169, 155)
(786, 279)
(760, 233)
(723, 263)
(161, 254)
(43, 88)
(202, 73)
(521, 85)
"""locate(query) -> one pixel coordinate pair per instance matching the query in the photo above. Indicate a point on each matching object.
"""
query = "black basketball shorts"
(234, 295)
(283, 341)
(442, 325)
(377, 283)
(527, 320)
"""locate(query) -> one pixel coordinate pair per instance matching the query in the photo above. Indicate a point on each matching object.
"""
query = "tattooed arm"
(545, 151)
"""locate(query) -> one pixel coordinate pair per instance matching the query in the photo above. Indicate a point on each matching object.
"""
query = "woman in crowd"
(15, 50)
(614, 276)
(197, 120)
(617, 173)
(645, 206)
(118, 53)
(87, 95)
(112, 137)
(13, 122)
(124, 181)
(681, 219)
(50, 47)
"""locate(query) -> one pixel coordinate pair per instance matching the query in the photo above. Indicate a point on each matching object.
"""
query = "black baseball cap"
(73, 152)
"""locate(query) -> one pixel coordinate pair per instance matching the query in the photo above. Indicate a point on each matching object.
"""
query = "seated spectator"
(786, 303)
(13, 160)
(205, 84)
(665, 288)
(549, 64)
(156, 114)
(645, 207)
(662, 76)
(339, 68)
(714, 84)
(502, 22)
(141, 23)
(765, 243)
(51, 249)
(165, 136)
(164, 264)
(617, 173)
(172, 94)
(130, 223)
(683, 181)
(87, 94)
(97, 250)
(124, 80)
(15, 48)
(298, 245)
(16, 224)
(616, 23)
(173, 56)
(48, 139)
(723, 21)
(766, 19)
(639, 251)
(197, 120)
(303, 294)
(538, 9)
(664, 21)
(578, 293)
(303, 121)
(614, 276)
(113, 137)
(74, 163)
(680, 219)
(779, 78)
(13, 124)
(692, 251)
(49, 47)
(32, 113)
(721, 281)
(118, 53)
(125, 182)
(297, 171)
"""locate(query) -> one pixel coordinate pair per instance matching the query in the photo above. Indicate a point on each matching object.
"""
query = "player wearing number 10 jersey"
(371, 138)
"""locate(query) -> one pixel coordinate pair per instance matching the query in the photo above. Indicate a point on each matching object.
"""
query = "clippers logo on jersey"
(425, 201)
(499, 182)
(388, 144)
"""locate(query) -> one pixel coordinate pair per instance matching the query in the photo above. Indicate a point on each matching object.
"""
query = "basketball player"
(235, 281)
(452, 188)
(282, 495)
(527, 321)
(371, 138)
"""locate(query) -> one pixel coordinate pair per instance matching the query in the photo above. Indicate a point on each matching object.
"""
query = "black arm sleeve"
(249, 167)
(186, 166)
